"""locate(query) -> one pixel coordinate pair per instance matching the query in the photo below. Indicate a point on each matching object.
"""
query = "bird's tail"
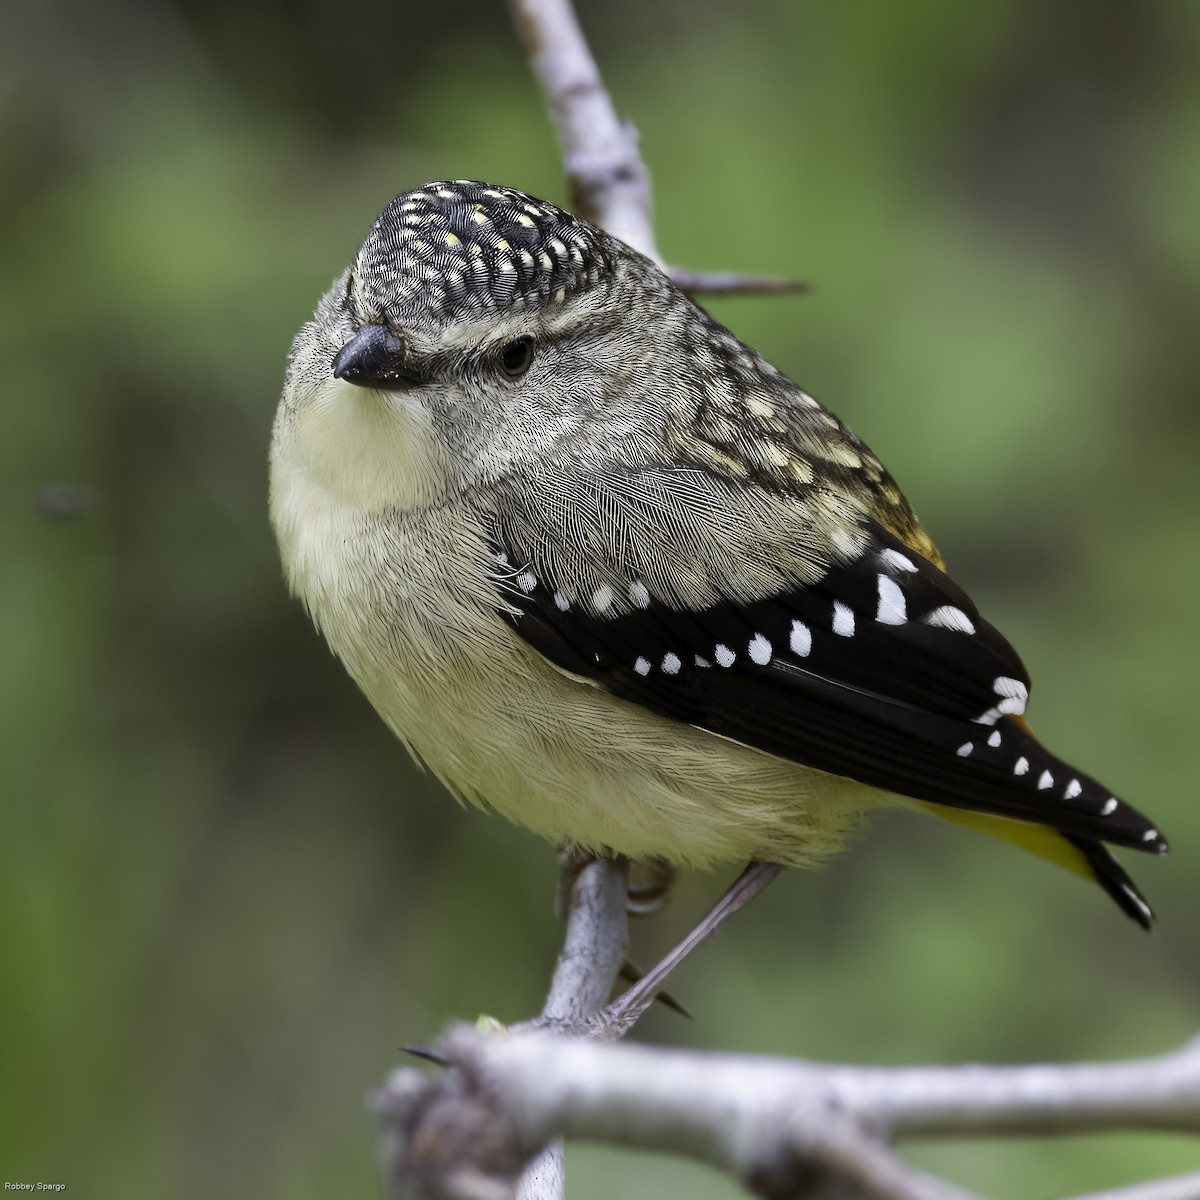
(1083, 856)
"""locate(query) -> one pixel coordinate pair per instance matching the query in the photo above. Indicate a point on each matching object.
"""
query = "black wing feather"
(883, 671)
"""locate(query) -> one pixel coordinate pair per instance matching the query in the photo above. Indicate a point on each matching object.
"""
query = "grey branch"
(731, 283)
(594, 946)
(595, 893)
(610, 185)
(781, 1126)
(535, 1075)
(1177, 1187)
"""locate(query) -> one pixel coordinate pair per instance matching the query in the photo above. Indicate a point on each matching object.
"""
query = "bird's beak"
(374, 358)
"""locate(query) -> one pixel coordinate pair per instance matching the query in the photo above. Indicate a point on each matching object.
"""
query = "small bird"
(609, 573)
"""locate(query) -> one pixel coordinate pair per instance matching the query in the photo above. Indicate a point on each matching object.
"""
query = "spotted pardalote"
(609, 573)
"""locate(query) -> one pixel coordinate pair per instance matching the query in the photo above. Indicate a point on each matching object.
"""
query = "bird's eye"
(516, 357)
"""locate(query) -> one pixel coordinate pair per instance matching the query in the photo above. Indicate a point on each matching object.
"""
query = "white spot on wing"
(760, 649)
(801, 639)
(527, 581)
(1021, 766)
(1073, 789)
(843, 620)
(1151, 835)
(950, 617)
(724, 655)
(602, 598)
(642, 666)
(994, 738)
(965, 749)
(702, 662)
(1015, 694)
(561, 602)
(671, 664)
(892, 608)
(896, 560)
(1045, 780)
(639, 595)
(1110, 807)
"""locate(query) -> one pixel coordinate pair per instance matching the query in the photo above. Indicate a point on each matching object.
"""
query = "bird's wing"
(846, 651)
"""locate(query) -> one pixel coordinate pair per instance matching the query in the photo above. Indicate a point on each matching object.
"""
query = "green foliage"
(226, 897)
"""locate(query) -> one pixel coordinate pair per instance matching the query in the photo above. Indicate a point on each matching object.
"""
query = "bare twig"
(592, 954)
(594, 946)
(653, 1088)
(610, 185)
(1177, 1187)
(778, 1125)
(730, 283)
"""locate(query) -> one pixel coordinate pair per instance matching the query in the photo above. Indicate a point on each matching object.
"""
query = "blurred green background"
(226, 896)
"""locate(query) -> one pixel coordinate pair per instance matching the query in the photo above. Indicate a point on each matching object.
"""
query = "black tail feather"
(1111, 876)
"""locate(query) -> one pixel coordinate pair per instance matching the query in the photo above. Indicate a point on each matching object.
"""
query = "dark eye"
(516, 357)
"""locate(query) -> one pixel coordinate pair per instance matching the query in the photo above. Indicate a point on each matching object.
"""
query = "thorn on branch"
(630, 972)
(428, 1054)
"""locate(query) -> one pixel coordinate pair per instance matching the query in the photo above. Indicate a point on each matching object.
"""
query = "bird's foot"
(620, 1016)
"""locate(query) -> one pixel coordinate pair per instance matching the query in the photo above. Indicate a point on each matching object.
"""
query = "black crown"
(461, 250)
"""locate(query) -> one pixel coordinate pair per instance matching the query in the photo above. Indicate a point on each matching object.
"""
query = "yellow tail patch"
(1036, 839)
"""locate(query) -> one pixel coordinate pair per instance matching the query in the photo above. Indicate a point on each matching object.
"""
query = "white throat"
(367, 449)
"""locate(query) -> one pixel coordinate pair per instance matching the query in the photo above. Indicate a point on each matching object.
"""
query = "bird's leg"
(645, 897)
(631, 973)
(618, 1018)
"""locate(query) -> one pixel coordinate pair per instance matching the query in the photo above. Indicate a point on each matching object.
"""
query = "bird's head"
(477, 330)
